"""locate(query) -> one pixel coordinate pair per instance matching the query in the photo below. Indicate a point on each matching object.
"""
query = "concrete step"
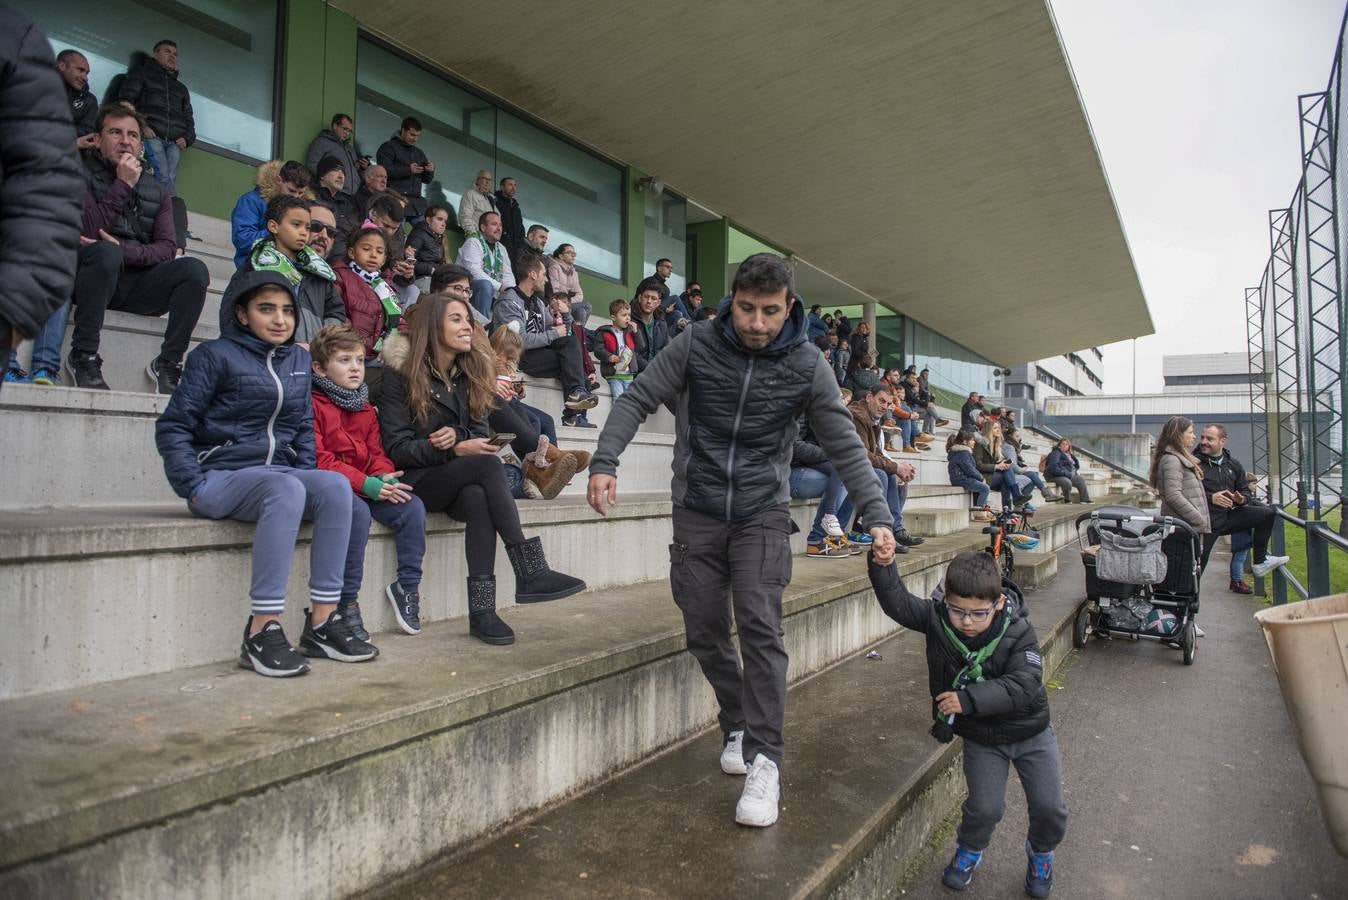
(91, 449)
(214, 233)
(98, 595)
(865, 789)
(360, 773)
(1034, 569)
(936, 495)
(932, 522)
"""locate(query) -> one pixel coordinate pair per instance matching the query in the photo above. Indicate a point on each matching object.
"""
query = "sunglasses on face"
(315, 227)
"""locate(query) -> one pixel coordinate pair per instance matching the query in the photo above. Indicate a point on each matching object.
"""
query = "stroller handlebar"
(1136, 516)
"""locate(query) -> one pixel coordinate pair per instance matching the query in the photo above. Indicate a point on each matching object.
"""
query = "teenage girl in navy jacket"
(238, 443)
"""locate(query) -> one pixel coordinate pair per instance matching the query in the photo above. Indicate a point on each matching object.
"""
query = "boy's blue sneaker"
(17, 376)
(960, 870)
(859, 537)
(1038, 872)
(45, 376)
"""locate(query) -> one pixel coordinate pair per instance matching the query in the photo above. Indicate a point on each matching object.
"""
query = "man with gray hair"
(476, 201)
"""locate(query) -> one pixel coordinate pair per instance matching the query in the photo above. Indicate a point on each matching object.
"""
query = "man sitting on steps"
(128, 259)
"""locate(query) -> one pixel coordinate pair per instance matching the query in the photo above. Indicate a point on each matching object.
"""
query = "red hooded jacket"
(348, 442)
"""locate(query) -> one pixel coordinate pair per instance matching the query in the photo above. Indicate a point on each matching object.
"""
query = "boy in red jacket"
(346, 438)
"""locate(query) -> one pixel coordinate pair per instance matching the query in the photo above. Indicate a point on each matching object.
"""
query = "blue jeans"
(514, 476)
(896, 494)
(484, 292)
(408, 521)
(164, 156)
(542, 422)
(1005, 481)
(979, 488)
(277, 498)
(821, 480)
(617, 386)
(1036, 480)
(47, 344)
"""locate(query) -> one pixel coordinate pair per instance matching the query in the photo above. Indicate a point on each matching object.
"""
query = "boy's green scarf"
(266, 258)
(972, 673)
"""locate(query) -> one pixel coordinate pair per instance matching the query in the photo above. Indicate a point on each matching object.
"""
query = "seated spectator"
(73, 67)
(238, 443)
(512, 219)
(333, 194)
(663, 269)
(373, 182)
(427, 243)
(323, 231)
(371, 303)
(155, 91)
(483, 255)
(1011, 450)
(286, 252)
(346, 441)
(561, 315)
(812, 475)
(863, 377)
(248, 222)
(964, 473)
(407, 166)
(536, 239)
(336, 141)
(1062, 467)
(386, 214)
(565, 280)
(920, 401)
(651, 332)
(476, 202)
(815, 327)
(1232, 506)
(550, 349)
(692, 301)
(616, 349)
(997, 469)
(440, 386)
(868, 409)
(129, 260)
(971, 410)
(905, 418)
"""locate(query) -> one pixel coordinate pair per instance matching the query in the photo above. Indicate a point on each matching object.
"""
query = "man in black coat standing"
(40, 184)
(165, 104)
(512, 219)
(73, 67)
(407, 166)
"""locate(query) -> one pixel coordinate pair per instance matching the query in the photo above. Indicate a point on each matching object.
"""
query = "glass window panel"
(953, 367)
(667, 236)
(226, 54)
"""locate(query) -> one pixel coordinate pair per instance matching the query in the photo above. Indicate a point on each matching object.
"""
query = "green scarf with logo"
(266, 258)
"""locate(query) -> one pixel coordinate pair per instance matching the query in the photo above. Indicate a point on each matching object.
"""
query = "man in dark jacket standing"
(657, 280)
(512, 219)
(1232, 506)
(739, 384)
(74, 70)
(39, 183)
(407, 166)
(337, 143)
(166, 106)
(129, 260)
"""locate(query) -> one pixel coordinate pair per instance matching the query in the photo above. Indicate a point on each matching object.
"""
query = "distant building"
(1077, 374)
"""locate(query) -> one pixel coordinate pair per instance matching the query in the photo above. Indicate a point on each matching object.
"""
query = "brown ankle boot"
(582, 458)
(550, 481)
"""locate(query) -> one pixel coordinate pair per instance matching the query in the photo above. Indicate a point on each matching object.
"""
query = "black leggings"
(473, 490)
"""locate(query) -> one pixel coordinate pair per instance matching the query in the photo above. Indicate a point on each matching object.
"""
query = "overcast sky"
(1194, 107)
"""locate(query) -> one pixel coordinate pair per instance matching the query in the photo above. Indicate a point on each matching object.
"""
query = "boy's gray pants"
(716, 566)
(1040, 769)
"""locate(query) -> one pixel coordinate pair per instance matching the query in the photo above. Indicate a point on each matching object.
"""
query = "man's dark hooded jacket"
(397, 156)
(162, 99)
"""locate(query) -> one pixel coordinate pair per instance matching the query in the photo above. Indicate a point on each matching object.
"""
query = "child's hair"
(963, 436)
(360, 233)
(973, 575)
(387, 206)
(279, 206)
(435, 208)
(330, 339)
(296, 173)
(242, 300)
(617, 306)
(506, 344)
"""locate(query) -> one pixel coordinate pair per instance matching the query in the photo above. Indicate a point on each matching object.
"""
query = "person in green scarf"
(986, 675)
(286, 252)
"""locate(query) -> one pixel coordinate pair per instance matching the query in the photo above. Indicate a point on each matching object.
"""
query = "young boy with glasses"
(986, 676)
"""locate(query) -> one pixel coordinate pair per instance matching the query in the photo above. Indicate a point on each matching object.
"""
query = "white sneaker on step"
(732, 755)
(762, 790)
(832, 527)
(1270, 563)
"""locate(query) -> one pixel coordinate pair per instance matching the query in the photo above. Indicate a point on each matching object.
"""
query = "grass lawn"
(1295, 541)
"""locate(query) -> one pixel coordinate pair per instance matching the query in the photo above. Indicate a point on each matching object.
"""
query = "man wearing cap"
(332, 194)
(738, 385)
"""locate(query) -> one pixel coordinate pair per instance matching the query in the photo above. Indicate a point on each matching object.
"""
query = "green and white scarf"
(492, 260)
(388, 299)
(266, 258)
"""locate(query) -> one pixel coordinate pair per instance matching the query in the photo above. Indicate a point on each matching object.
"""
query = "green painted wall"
(713, 253)
(741, 245)
(211, 184)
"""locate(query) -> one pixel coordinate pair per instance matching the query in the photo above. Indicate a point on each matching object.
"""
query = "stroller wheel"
(1081, 627)
(1189, 642)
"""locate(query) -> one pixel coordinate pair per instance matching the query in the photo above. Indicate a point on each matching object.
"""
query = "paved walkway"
(1182, 782)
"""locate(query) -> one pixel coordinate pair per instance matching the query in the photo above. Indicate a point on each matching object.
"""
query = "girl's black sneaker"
(334, 640)
(269, 653)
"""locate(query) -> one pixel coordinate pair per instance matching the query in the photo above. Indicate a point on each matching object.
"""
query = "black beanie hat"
(327, 164)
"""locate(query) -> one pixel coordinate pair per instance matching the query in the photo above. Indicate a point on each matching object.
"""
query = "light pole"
(1132, 427)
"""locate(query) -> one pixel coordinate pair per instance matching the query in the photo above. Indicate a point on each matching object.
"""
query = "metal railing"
(1320, 539)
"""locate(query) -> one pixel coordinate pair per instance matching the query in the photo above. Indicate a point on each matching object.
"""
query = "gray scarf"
(345, 398)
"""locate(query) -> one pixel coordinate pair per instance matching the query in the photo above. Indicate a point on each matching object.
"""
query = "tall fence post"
(1317, 558)
(1277, 545)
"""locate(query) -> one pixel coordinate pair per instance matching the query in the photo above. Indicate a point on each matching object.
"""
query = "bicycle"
(1011, 528)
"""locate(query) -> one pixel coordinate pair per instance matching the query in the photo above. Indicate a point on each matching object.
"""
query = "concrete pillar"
(868, 316)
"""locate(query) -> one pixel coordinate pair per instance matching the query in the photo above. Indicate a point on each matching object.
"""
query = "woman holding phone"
(439, 389)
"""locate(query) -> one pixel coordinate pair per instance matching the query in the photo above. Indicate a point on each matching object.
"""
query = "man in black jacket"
(1232, 506)
(738, 384)
(986, 676)
(40, 183)
(165, 104)
(663, 269)
(74, 70)
(332, 193)
(512, 219)
(407, 166)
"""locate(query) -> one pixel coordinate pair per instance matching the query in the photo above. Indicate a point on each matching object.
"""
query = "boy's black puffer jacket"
(1010, 704)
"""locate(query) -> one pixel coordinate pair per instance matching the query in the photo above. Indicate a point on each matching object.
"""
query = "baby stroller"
(1141, 578)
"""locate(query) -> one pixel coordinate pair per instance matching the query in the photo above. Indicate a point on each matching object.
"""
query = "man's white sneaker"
(762, 790)
(1269, 564)
(732, 755)
(832, 527)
